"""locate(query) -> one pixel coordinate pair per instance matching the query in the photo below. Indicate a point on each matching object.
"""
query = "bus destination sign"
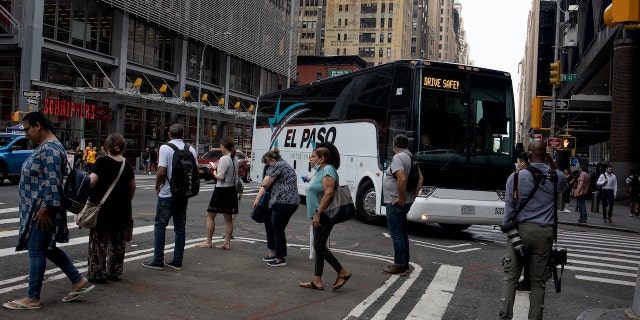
(440, 83)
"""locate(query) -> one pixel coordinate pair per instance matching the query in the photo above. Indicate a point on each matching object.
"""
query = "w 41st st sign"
(560, 103)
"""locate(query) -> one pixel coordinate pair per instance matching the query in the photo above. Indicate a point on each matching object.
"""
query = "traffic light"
(554, 73)
(622, 11)
(569, 142)
(16, 116)
(536, 113)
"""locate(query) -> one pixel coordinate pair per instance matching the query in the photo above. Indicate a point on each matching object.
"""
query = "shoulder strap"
(113, 184)
(536, 173)
(173, 146)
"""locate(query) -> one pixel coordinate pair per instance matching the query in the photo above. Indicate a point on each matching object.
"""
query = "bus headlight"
(501, 195)
(427, 191)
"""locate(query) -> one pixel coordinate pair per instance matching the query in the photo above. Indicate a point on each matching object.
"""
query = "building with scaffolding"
(137, 66)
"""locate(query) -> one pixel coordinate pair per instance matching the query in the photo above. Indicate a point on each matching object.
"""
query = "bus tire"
(366, 204)
(454, 227)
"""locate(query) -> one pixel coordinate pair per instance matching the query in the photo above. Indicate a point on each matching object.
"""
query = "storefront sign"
(76, 110)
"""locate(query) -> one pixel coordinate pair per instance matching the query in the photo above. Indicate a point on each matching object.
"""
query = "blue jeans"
(275, 223)
(582, 207)
(37, 244)
(167, 208)
(397, 225)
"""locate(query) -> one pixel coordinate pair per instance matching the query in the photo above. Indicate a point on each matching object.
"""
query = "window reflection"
(82, 23)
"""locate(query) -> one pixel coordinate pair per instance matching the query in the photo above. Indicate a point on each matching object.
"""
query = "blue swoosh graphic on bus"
(281, 125)
(280, 120)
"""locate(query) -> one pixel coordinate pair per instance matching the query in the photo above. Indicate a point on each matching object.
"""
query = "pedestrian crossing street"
(596, 257)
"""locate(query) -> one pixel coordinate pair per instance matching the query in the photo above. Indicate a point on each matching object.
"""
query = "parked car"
(14, 150)
(212, 156)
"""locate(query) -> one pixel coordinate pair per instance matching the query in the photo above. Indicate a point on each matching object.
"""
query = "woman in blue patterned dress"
(280, 180)
(42, 222)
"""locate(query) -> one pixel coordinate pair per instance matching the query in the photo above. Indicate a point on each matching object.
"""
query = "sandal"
(311, 285)
(204, 245)
(338, 284)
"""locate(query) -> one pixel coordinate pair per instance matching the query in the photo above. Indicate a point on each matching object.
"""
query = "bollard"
(595, 201)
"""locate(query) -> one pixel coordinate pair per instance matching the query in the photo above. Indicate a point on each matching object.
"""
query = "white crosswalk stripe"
(597, 257)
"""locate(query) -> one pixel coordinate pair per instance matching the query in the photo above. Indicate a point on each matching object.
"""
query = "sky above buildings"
(496, 32)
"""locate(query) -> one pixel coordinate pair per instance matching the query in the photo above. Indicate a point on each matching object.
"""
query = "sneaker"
(174, 265)
(153, 265)
(395, 269)
(523, 286)
(275, 263)
(581, 221)
(267, 259)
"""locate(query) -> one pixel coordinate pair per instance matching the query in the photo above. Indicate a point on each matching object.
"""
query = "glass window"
(63, 21)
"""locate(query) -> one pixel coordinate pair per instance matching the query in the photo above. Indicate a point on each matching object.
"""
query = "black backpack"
(76, 191)
(634, 184)
(185, 180)
(413, 176)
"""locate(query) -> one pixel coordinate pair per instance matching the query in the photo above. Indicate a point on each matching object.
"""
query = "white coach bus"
(460, 121)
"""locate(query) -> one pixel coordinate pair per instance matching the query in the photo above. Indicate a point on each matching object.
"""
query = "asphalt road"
(455, 275)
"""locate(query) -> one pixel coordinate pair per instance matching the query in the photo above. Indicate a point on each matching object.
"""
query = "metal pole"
(554, 88)
(292, 13)
(199, 100)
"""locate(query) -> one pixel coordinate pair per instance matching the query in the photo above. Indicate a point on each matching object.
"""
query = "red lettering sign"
(77, 110)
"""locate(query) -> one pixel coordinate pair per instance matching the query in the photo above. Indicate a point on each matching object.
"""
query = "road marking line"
(573, 255)
(598, 264)
(9, 210)
(434, 301)
(441, 246)
(599, 247)
(610, 281)
(521, 306)
(603, 253)
(602, 271)
(386, 309)
(447, 250)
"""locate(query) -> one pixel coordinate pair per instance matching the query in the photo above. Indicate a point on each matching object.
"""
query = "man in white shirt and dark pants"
(609, 193)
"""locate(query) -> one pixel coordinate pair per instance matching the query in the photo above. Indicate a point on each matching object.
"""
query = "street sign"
(32, 101)
(32, 94)
(568, 77)
(560, 103)
(554, 142)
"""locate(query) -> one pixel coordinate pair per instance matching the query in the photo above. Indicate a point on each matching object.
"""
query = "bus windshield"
(466, 134)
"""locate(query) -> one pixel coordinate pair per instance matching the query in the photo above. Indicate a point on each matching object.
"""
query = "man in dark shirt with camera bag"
(532, 215)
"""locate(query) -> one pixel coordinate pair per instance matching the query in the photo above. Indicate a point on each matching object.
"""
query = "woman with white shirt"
(225, 197)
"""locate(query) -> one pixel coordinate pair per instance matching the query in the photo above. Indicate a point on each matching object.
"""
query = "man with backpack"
(399, 197)
(176, 181)
(530, 219)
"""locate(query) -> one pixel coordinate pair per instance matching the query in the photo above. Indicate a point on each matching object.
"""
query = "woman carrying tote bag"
(107, 239)
(324, 183)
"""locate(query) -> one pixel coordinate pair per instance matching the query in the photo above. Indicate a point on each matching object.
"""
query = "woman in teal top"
(319, 195)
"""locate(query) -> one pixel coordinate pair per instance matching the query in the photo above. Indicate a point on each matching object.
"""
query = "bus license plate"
(468, 210)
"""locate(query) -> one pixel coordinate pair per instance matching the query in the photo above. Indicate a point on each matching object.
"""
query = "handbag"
(88, 217)
(239, 185)
(260, 211)
(341, 207)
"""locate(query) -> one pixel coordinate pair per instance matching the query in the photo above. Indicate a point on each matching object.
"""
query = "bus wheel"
(454, 227)
(366, 204)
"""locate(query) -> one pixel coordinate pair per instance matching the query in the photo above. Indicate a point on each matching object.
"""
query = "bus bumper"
(456, 211)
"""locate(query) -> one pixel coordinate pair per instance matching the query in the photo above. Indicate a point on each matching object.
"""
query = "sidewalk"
(621, 221)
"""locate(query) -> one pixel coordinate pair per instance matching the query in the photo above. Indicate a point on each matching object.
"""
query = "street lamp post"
(199, 101)
(200, 92)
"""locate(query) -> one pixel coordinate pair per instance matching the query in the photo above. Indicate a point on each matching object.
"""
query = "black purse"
(261, 210)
